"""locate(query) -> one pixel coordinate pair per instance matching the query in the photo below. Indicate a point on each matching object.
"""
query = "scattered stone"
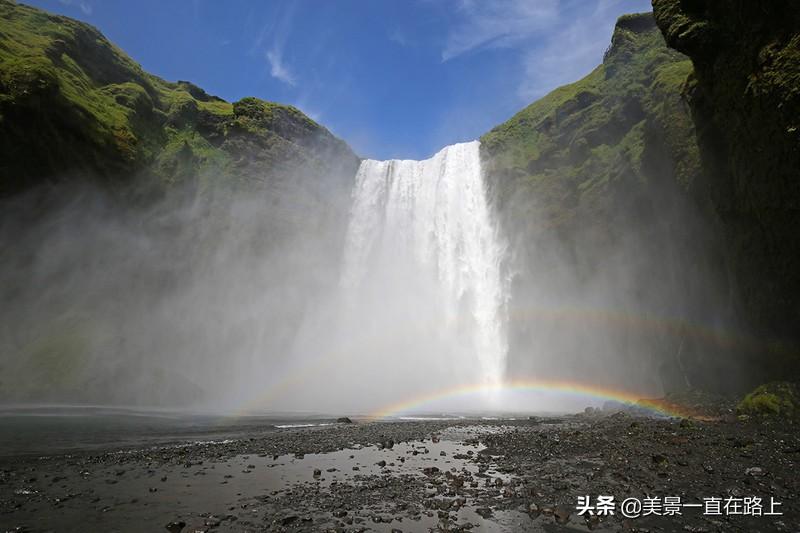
(175, 527)
(659, 458)
(484, 512)
(562, 514)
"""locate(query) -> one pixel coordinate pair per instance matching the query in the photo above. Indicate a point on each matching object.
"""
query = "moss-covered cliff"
(73, 104)
(744, 93)
(152, 234)
(599, 187)
(585, 146)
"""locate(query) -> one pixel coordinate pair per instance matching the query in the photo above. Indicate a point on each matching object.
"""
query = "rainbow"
(597, 317)
(419, 403)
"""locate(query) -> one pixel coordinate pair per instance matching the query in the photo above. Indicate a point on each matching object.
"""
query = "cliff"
(72, 104)
(744, 94)
(615, 256)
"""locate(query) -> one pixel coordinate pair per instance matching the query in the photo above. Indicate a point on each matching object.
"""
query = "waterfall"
(418, 222)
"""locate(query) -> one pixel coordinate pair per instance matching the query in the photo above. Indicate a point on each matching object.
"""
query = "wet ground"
(444, 475)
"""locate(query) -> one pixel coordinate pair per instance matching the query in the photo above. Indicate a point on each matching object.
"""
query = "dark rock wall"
(616, 265)
(744, 94)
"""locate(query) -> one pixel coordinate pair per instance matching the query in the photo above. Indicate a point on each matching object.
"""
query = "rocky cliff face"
(74, 105)
(744, 93)
(159, 244)
(616, 264)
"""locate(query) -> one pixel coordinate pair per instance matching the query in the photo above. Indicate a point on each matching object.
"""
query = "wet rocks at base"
(456, 475)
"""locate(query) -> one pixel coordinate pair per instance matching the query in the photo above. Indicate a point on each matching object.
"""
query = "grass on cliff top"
(97, 100)
(637, 66)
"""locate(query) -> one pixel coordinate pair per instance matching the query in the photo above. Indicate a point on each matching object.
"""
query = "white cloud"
(558, 41)
(277, 68)
(498, 23)
(397, 36)
(84, 6)
(276, 32)
(571, 51)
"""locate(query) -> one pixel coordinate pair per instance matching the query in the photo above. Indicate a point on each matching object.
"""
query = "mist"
(331, 292)
(192, 299)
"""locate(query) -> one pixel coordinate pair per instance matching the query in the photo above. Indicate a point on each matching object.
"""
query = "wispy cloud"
(499, 23)
(569, 52)
(83, 5)
(398, 36)
(558, 41)
(271, 41)
(277, 68)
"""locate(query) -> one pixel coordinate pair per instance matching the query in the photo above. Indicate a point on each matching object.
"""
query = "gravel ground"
(459, 475)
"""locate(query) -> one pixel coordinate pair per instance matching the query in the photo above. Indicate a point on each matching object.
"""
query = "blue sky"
(394, 78)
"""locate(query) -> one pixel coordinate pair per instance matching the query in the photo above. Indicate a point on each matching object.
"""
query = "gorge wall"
(618, 269)
(744, 97)
(161, 245)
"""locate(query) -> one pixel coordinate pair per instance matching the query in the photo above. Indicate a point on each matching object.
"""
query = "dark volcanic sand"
(461, 475)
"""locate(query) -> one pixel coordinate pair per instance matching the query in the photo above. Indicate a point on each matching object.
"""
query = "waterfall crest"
(423, 232)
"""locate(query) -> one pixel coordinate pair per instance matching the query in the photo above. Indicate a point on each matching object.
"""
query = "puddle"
(148, 496)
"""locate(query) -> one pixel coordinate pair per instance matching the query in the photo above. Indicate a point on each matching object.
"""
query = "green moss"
(572, 150)
(780, 398)
(73, 104)
(744, 93)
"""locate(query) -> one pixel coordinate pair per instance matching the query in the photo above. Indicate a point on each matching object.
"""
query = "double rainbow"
(591, 392)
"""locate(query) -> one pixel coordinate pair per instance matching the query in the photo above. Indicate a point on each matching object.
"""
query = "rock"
(175, 527)
(381, 463)
(754, 471)
(340, 513)
(317, 472)
(287, 520)
(484, 512)
(344, 420)
(745, 106)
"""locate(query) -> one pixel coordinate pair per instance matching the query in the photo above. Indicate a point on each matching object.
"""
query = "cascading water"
(421, 234)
